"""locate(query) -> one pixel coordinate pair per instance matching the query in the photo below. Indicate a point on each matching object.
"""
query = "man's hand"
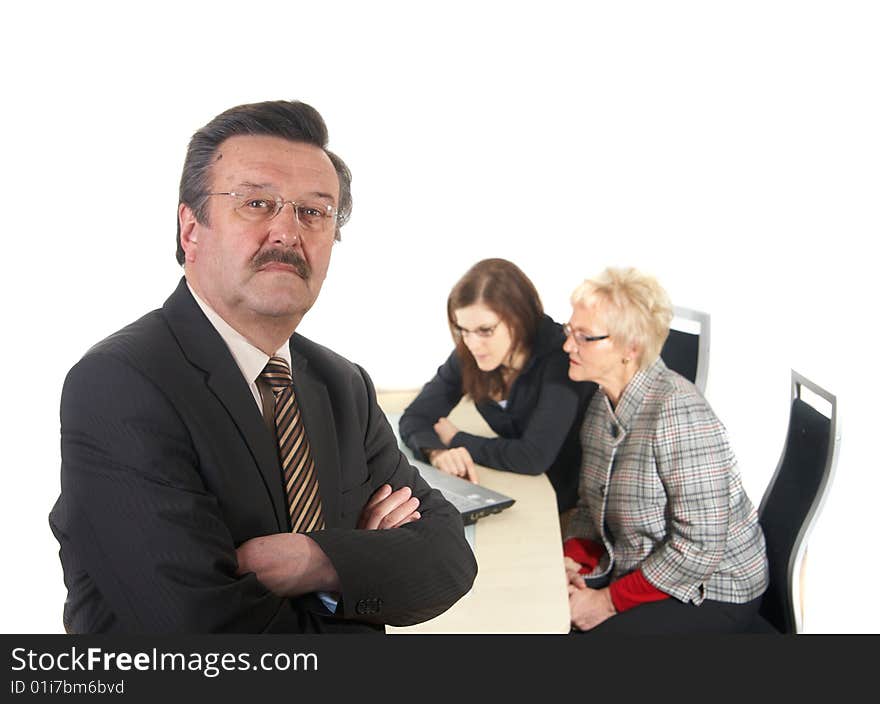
(589, 607)
(455, 460)
(445, 430)
(287, 564)
(389, 509)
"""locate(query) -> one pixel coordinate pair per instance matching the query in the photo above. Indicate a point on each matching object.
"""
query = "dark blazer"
(167, 466)
(537, 430)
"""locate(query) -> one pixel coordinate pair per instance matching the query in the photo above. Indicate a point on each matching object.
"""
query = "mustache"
(283, 256)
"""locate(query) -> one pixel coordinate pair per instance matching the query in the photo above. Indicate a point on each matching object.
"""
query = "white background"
(729, 148)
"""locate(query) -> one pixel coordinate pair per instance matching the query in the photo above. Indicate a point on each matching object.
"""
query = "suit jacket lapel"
(205, 349)
(317, 414)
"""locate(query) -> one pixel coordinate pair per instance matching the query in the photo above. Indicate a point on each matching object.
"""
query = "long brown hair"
(501, 286)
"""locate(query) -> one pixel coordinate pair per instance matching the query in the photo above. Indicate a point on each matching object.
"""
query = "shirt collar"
(251, 360)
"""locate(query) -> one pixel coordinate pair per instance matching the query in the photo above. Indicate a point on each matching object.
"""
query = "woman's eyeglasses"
(482, 331)
(581, 338)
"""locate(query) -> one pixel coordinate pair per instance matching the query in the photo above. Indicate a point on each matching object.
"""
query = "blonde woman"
(663, 538)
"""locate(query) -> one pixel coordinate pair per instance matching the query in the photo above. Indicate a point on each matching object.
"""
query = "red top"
(628, 591)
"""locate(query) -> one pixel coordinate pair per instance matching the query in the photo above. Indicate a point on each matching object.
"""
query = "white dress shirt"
(250, 360)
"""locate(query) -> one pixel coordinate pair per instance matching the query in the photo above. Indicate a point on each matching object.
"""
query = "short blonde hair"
(635, 309)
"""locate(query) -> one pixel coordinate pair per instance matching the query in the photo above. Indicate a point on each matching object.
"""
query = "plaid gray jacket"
(660, 488)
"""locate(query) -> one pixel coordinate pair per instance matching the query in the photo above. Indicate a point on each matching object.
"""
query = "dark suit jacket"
(167, 466)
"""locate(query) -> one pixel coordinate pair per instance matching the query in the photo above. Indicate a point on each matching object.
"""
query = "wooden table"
(520, 585)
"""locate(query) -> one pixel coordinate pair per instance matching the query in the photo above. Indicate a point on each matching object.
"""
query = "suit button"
(602, 491)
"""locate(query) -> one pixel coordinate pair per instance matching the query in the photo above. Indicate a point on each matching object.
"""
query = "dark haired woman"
(508, 359)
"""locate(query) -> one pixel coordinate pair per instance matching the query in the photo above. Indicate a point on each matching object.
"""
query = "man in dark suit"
(177, 493)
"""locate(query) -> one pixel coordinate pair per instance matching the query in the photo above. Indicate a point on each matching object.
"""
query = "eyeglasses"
(261, 207)
(482, 331)
(579, 337)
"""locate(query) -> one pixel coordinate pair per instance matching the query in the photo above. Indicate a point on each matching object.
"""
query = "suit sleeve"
(408, 574)
(694, 461)
(534, 451)
(436, 399)
(135, 516)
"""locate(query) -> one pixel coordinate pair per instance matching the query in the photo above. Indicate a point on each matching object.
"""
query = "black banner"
(406, 668)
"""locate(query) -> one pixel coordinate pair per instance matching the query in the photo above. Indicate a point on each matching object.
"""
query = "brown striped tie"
(297, 465)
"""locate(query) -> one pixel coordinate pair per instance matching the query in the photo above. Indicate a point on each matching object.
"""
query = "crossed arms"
(164, 528)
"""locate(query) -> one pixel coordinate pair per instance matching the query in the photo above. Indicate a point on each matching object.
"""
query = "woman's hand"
(589, 607)
(455, 460)
(445, 430)
(573, 575)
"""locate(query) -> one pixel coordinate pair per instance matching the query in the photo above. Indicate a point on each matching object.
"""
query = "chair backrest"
(686, 350)
(794, 498)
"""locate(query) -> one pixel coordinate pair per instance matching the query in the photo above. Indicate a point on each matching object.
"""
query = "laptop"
(472, 500)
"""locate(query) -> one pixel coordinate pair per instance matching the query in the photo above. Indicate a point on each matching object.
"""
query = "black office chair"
(792, 503)
(686, 350)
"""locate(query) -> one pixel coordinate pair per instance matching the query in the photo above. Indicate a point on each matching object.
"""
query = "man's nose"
(285, 227)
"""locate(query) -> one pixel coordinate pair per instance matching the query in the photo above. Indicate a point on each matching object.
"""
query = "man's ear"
(189, 231)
